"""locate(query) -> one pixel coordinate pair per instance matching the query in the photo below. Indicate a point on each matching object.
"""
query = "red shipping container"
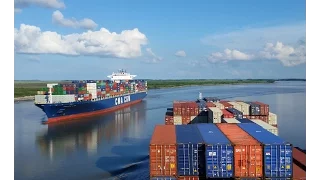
(188, 178)
(298, 173)
(264, 108)
(299, 156)
(248, 152)
(186, 119)
(210, 104)
(162, 151)
(226, 104)
(176, 108)
(264, 118)
(226, 114)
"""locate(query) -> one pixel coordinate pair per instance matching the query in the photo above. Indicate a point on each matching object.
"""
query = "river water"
(115, 145)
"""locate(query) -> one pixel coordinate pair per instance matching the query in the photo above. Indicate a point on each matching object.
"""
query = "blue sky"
(161, 40)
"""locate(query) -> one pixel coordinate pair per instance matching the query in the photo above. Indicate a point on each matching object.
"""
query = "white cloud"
(180, 54)
(52, 4)
(288, 55)
(103, 43)
(254, 38)
(152, 57)
(229, 55)
(58, 18)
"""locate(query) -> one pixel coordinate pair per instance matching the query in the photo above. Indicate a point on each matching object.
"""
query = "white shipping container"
(177, 120)
(214, 115)
(199, 119)
(244, 108)
(219, 105)
(235, 105)
(266, 126)
(273, 119)
(91, 84)
(230, 120)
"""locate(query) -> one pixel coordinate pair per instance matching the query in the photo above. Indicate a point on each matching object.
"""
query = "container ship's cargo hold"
(67, 101)
(277, 152)
(278, 159)
(248, 152)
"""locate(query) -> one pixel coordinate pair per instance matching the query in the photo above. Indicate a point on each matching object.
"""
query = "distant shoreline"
(25, 91)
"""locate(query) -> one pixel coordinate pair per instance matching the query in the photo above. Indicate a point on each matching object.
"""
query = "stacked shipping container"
(186, 112)
(93, 89)
(277, 153)
(247, 152)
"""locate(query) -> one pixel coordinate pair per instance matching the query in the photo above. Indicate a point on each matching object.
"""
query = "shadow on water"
(117, 131)
(129, 161)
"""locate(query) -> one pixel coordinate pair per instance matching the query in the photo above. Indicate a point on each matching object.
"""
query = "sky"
(56, 39)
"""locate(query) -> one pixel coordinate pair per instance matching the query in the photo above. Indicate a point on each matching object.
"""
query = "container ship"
(75, 99)
(219, 139)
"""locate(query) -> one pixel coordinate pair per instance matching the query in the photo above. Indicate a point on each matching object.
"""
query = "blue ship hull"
(66, 111)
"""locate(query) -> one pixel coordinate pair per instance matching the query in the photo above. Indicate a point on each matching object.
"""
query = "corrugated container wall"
(254, 109)
(190, 151)
(163, 178)
(162, 151)
(230, 120)
(273, 120)
(214, 115)
(299, 156)
(236, 113)
(277, 152)
(177, 120)
(264, 108)
(244, 108)
(298, 173)
(188, 178)
(219, 105)
(218, 152)
(235, 105)
(227, 114)
(248, 152)
(266, 126)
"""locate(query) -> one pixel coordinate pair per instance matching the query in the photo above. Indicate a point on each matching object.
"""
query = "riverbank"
(25, 91)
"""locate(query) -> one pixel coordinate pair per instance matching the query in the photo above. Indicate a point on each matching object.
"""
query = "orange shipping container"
(188, 178)
(298, 173)
(248, 154)
(299, 156)
(210, 104)
(162, 151)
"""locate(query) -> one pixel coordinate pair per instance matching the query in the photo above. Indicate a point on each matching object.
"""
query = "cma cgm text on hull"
(85, 98)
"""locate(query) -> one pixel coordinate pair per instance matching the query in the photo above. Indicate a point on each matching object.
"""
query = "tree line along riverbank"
(27, 89)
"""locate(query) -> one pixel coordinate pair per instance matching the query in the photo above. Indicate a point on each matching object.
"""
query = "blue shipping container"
(218, 152)
(190, 151)
(277, 152)
(244, 120)
(163, 178)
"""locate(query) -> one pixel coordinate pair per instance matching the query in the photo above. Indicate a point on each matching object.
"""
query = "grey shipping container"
(254, 109)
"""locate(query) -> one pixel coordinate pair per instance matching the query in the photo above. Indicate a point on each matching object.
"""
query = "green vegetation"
(156, 84)
(30, 88)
